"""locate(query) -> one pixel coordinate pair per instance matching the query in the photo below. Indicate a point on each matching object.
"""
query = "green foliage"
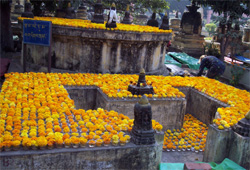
(236, 73)
(211, 49)
(211, 28)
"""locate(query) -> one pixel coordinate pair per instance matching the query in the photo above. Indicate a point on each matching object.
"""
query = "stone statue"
(191, 20)
(176, 14)
(243, 126)
(112, 17)
(142, 131)
(153, 22)
(126, 19)
(165, 22)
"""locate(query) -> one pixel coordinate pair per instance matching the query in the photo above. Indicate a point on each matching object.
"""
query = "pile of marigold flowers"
(192, 137)
(87, 24)
(36, 111)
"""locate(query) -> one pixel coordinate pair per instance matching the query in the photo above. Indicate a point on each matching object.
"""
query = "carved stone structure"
(101, 51)
(141, 88)
(126, 19)
(142, 131)
(17, 12)
(243, 126)
(27, 10)
(98, 16)
(82, 12)
(233, 144)
(175, 24)
(189, 39)
(70, 12)
(165, 22)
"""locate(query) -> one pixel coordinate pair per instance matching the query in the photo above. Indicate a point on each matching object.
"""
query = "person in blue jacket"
(215, 66)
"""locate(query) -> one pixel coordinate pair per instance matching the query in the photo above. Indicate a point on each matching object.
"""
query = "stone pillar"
(217, 144)
(142, 131)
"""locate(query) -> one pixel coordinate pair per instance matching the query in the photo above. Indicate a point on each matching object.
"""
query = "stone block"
(129, 156)
(240, 150)
(197, 166)
(217, 144)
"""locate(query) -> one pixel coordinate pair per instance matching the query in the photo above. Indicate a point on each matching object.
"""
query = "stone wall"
(169, 112)
(202, 106)
(221, 144)
(130, 156)
(89, 50)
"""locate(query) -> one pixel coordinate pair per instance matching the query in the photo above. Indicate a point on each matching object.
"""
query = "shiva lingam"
(141, 87)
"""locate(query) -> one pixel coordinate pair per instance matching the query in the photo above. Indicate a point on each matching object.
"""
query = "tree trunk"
(6, 31)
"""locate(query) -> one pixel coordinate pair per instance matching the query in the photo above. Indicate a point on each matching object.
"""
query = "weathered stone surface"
(217, 144)
(129, 156)
(202, 106)
(89, 50)
(240, 150)
(84, 98)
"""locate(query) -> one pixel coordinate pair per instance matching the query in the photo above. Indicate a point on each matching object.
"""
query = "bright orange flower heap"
(35, 111)
(193, 133)
(89, 25)
(35, 105)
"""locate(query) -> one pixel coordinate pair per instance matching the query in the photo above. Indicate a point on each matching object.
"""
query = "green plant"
(236, 73)
(211, 49)
(211, 28)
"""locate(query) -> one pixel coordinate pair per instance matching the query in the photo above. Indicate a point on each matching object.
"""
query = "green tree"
(229, 21)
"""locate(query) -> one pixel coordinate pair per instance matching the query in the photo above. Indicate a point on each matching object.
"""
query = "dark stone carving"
(142, 132)
(243, 126)
(98, 16)
(165, 23)
(82, 12)
(153, 22)
(27, 10)
(126, 19)
(70, 12)
(18, 7)
(141, 88)
(191, 19)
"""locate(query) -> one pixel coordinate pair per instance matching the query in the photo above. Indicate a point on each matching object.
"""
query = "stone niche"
(101, 51)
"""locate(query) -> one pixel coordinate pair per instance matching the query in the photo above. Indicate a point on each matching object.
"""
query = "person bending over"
(215, 66)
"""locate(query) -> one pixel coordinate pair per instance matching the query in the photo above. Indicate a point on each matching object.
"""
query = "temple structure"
(189, 39)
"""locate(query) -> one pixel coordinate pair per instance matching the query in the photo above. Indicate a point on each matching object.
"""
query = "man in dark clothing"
(153, 22)
(215, 66)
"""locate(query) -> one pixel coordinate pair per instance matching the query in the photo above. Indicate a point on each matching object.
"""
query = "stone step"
(197, 166)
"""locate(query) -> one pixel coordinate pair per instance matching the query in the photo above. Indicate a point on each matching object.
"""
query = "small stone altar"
(189, 39)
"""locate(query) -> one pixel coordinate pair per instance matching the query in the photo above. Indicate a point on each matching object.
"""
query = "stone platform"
(101, 51)
(130, 156)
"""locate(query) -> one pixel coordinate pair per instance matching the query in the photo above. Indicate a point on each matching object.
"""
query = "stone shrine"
(142, 132)
(126, 19)
(189, 39)
(98, 16)
(27, 10)
(165, 22)
(141, 88)
(175, 24)
(82, 12)
(17, 12)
